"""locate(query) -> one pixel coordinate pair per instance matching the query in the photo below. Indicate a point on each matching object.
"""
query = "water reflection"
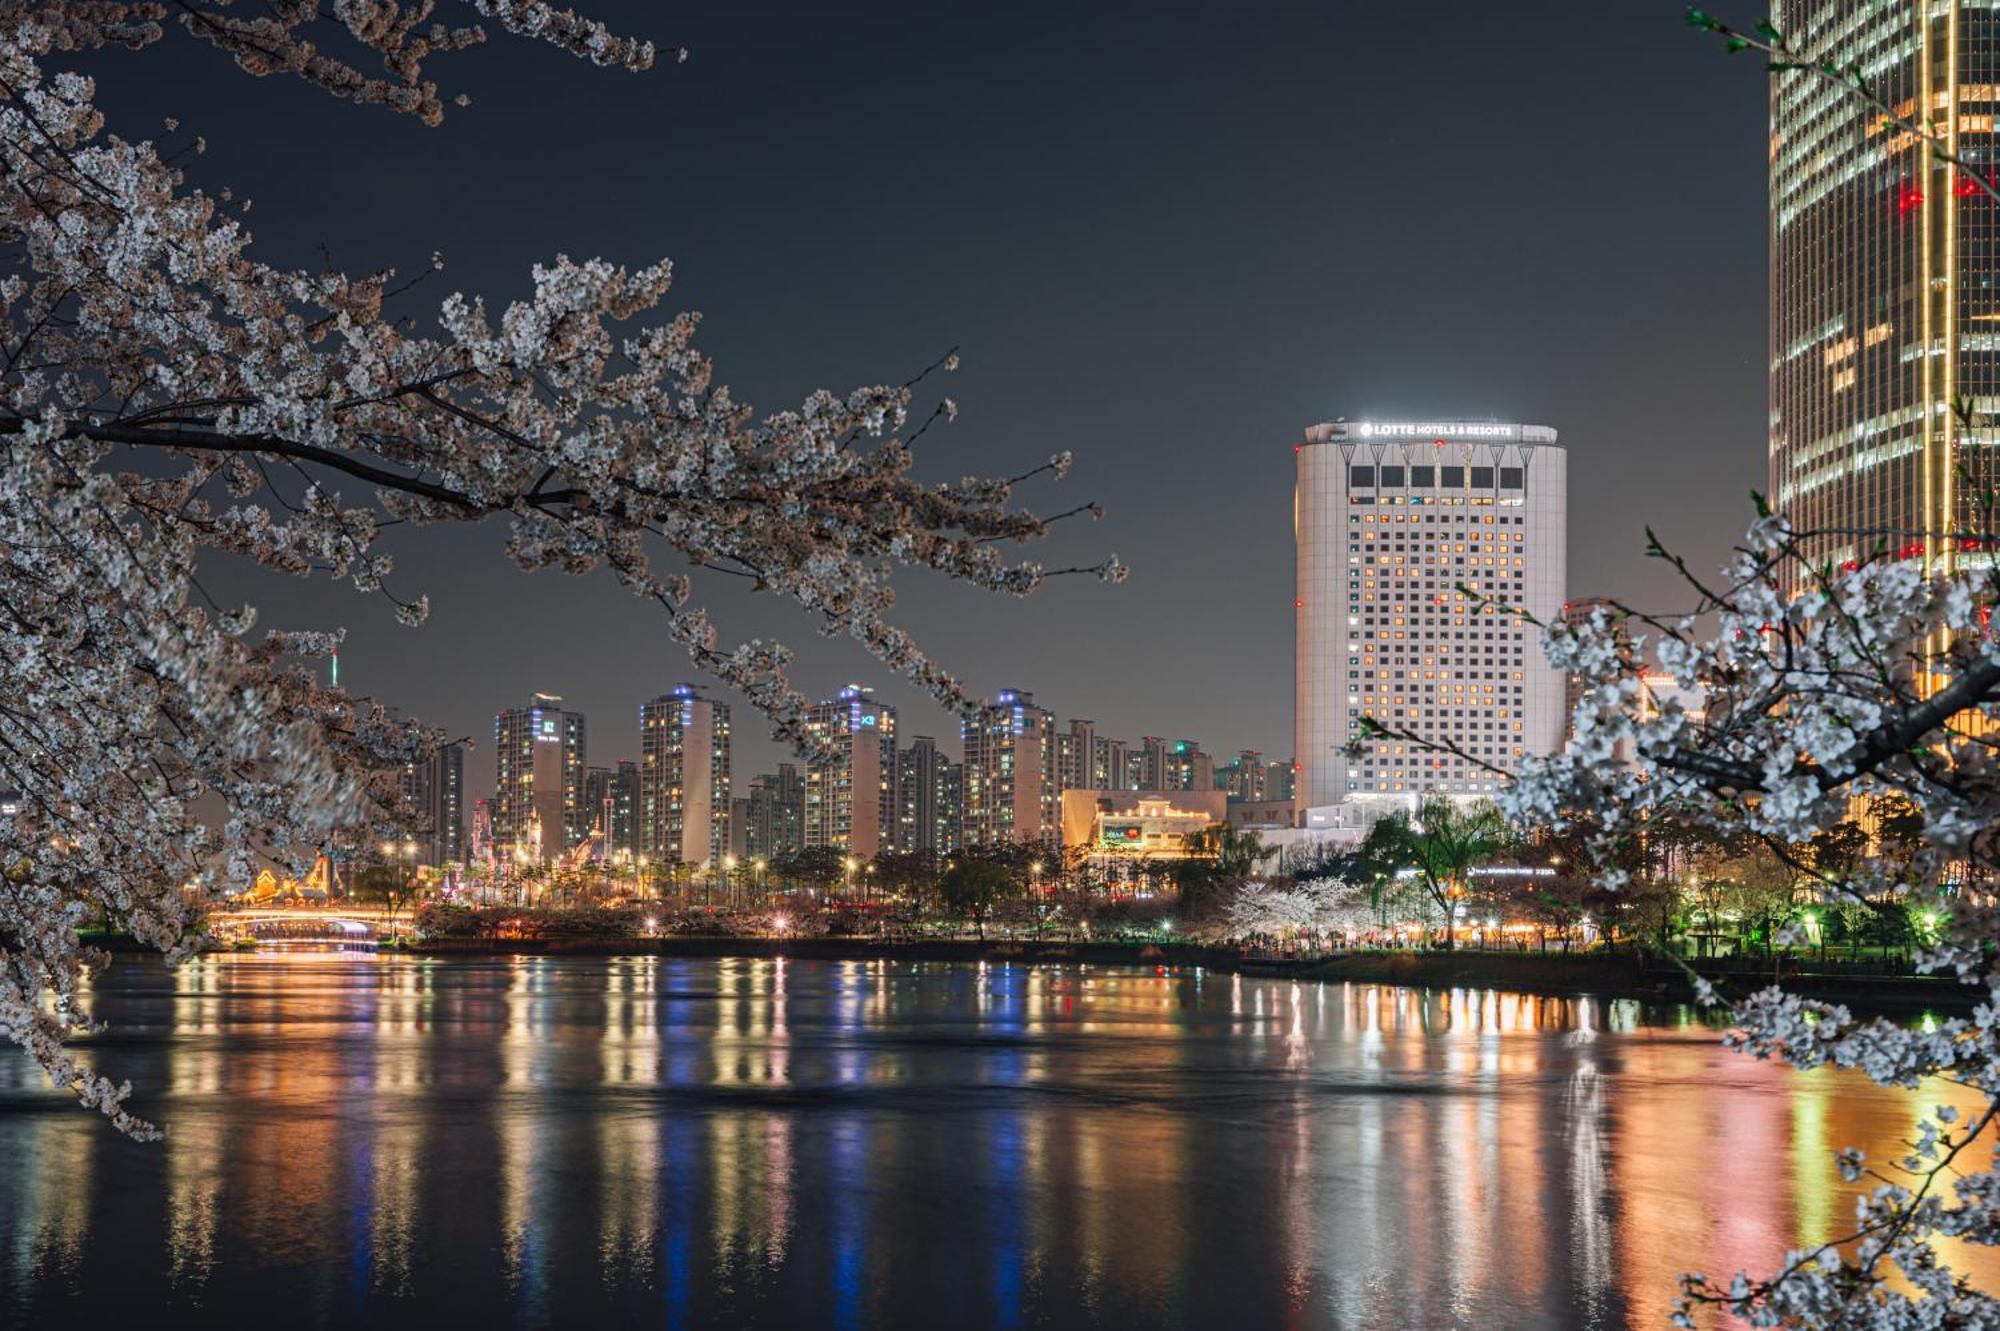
(383, 1141)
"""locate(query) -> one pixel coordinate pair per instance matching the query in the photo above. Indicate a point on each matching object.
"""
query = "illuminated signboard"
(1427, 429)
(1123, 833)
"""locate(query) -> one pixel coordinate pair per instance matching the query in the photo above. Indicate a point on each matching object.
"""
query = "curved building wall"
(1392, 519)
(1883, 307)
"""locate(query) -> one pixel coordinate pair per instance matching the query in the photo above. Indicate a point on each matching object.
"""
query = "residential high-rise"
(1399, 526)
(611, 798)
(929, 798)
(1246, 777)
(683, 778)
(951, 807)
(776, 814)
(1147, 769)
(1183, 766)
(1111, 768)
(1010, 772)
(1883, 304)
(851, 787)
(435, 789)
(597, 800)
(919, 770)
(538, 802)
(1076, 757)
(739, 828)
(625, 808)
(1281, 781)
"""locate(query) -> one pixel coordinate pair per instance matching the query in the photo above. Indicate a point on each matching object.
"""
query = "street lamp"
(728, 866)
(848, 882)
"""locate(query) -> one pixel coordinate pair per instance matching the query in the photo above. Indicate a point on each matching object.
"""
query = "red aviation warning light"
(1908, 199)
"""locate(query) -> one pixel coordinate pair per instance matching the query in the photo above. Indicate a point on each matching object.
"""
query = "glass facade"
(1883, 311)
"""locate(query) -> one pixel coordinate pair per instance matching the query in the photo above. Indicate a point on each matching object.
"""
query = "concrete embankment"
(1616, 975)
(1625, 975)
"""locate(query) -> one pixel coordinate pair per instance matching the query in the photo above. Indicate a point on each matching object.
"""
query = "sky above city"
(1163, 237)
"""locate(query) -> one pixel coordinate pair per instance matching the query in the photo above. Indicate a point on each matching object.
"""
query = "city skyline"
(1173, 295)
(1285, 938)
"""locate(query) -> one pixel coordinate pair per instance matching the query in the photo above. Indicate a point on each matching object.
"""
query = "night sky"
(1165, 237)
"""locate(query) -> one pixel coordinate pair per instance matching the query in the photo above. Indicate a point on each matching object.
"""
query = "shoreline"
(1621, 975)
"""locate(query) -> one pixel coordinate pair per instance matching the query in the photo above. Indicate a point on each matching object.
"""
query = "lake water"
(399, 1142)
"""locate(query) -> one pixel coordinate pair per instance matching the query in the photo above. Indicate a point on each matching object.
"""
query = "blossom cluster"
(1309, 905)
(167, 399)
(1823, 686)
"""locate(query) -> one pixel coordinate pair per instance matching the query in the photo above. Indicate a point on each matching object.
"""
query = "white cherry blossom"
(167, 400)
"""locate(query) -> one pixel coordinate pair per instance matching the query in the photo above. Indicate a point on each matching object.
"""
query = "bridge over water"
(280, 925)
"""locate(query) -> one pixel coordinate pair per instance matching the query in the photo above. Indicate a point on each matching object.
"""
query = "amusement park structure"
(317, 884)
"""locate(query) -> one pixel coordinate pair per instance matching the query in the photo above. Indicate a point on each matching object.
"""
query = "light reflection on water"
(387, 1141)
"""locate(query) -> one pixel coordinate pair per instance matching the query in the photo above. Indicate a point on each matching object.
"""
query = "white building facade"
(683, 779)
(1410, 536)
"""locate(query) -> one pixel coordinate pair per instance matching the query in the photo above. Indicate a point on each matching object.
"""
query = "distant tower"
(919, 777)
(538, 754)
(435, 790)
(684, 778)
(1010, 771)
(851, 785)
(1076, 757)
(776, 813)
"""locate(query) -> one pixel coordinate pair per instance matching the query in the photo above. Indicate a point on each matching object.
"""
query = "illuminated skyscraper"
(851, 787)
(538, 803)
(1392, 519)
(1010, 789)
(683, 779)
(1883, 306)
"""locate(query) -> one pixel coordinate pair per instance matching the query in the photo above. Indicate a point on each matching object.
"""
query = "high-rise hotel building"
(1392, 519)
(1883, 307)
